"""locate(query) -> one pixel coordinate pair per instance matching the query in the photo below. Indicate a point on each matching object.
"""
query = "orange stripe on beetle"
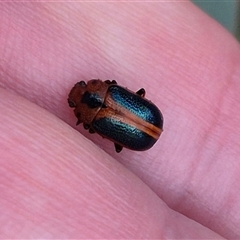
(130, 119)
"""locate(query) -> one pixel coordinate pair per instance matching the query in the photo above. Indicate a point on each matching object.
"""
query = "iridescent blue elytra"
(126, 118)
(136, 104)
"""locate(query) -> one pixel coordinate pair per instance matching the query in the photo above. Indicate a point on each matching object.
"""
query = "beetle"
(116, 113)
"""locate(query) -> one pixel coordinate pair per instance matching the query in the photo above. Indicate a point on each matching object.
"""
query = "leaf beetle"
(116, 113)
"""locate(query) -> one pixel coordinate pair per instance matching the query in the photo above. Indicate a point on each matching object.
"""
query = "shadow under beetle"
(116, 113)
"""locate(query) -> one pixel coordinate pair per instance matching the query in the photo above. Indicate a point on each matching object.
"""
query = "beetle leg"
(118, 148)
(78, 115)
(107, 81)
(91, 130)
(141, 92)
(81, 83)
(71, 103)
(110, 82)
(86, 126)
(78, 122)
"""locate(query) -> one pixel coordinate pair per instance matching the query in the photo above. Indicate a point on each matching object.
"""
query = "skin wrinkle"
(217, 122)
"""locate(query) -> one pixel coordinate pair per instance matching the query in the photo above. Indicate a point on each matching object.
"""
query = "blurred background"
(226, 12)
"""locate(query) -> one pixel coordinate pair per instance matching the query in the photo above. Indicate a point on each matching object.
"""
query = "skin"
(57, 183)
